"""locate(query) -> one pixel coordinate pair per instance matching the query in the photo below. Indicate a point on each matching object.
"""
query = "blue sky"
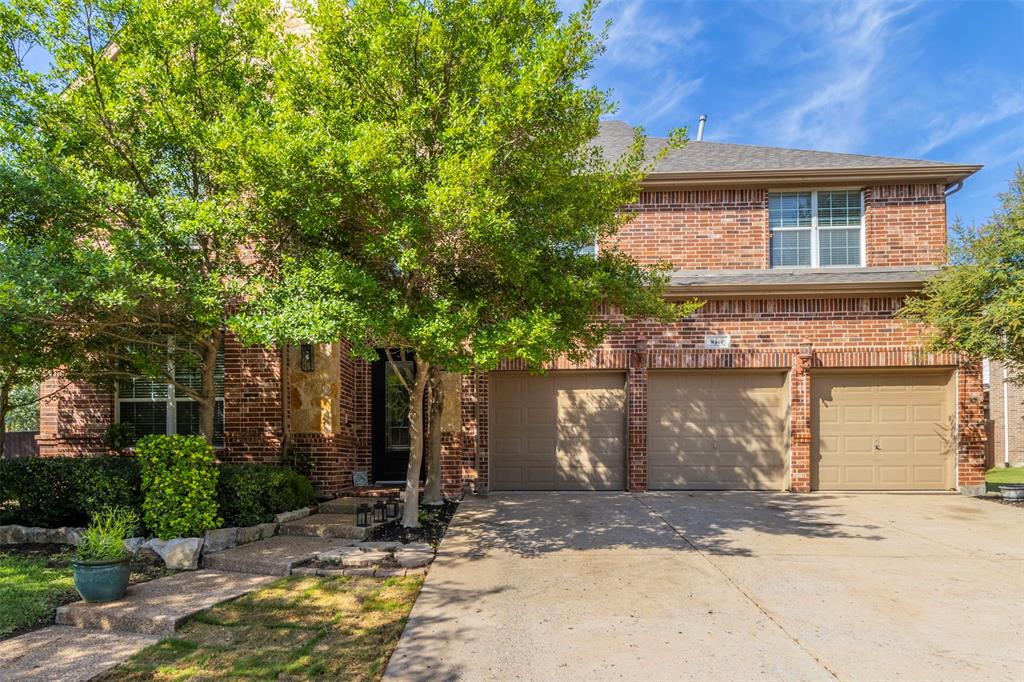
(928, 80)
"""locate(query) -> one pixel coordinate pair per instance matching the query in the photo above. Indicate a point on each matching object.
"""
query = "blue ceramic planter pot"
(100, 581)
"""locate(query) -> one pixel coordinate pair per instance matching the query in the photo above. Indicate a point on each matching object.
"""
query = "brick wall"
(253, 414)
(906, 225)
(1016, 417)
(768, 333)
(73, 420)
(727, 229)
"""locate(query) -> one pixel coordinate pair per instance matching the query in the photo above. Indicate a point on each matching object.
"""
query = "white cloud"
(833, 59)
(643, 37)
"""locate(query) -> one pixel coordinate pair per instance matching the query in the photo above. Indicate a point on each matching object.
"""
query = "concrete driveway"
(722, 586)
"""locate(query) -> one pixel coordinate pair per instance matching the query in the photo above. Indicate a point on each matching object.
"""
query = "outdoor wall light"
(806, 348)
(363, 515)
(306, 357)
(392, 506)
(379, 510)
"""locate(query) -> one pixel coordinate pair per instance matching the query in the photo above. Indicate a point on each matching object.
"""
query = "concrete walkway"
(722, 586)
(67, 654)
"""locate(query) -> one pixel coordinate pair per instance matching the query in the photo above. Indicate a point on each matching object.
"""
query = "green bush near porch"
(179, 485)
(64, 491)
(249, 494)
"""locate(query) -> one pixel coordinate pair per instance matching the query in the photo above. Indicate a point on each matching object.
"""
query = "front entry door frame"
(390, 445)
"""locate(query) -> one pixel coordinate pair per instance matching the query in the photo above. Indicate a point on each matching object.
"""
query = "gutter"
(950, 175)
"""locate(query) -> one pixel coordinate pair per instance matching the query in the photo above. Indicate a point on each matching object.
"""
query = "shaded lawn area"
(342, 628)
(1003, 475)
(36, 579)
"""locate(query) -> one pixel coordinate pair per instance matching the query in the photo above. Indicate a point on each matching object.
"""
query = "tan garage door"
(562, 431)
(717, 429)
(882, 430)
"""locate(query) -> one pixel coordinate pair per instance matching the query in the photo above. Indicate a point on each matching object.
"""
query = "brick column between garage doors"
(636, 423)
(800, 425)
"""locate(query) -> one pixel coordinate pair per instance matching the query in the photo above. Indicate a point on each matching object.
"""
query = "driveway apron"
(724, 586)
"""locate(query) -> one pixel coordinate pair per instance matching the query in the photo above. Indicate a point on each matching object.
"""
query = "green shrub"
(66, 491)
(179, 485)
(103, 540)
(248, 494)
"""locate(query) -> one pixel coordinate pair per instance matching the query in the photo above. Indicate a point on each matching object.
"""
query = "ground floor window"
(152, 407)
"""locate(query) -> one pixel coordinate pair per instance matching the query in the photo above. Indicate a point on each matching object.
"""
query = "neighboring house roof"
(701, 162)
(787, 281)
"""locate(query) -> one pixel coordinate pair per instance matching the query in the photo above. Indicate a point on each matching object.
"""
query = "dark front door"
(390, 414)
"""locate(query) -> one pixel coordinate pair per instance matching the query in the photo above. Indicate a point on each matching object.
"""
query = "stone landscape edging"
(176, 553)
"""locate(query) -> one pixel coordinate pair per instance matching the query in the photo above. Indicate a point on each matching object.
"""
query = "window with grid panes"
(816, 228)
(155, 408)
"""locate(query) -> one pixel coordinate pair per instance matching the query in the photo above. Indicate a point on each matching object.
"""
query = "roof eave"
(791, 178)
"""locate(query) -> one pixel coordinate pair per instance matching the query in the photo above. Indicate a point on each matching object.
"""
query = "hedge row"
(63, 491)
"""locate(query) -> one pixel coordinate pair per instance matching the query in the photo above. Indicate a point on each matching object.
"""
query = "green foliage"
(23, 412)
(66, 491)
(122, 204)
(31, 588)
(298, 460)
(449, 146)
(976, 305)
(179, 485)
(118, 437)
(250, 494)
(103, 539)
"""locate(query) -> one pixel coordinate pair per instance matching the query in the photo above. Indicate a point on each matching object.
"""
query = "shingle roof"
(615, 137)
(822, 280)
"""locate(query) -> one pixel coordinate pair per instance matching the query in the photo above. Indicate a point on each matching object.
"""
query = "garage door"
(717, 429)
(882, 430)
(562, 431)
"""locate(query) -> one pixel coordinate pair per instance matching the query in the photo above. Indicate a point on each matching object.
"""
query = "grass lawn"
(1001, 475)
(333, 628)
(36, 579)
(32, 586)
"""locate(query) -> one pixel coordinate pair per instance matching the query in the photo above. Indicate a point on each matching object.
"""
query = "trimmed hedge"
(179, 485)
(249, 494)
(64, 491)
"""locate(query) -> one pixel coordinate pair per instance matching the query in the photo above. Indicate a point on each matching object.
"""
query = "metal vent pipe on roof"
(700, 127)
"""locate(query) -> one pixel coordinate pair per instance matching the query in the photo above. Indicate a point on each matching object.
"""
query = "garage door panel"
(721, 429)
(882, 430)
(571, 438)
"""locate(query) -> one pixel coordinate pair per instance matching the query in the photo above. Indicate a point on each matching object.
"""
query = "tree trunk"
(410, 515)
(432, 490)
(5, 404)
(208, 386)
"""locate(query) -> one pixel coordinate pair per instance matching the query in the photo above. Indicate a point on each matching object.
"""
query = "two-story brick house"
(795, 374)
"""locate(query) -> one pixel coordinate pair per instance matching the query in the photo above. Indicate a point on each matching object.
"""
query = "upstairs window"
(816, 229)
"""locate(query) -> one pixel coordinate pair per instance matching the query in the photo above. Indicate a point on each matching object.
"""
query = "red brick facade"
(693, 229)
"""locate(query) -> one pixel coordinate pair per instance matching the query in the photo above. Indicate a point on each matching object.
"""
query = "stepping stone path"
(92, 638)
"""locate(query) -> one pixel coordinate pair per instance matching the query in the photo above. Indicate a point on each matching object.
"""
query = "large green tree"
(432, 173)
(142, 119)
(976, 304)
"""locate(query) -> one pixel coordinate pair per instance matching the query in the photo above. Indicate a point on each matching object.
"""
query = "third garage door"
(882, 430)
(717, 429)
(562, 431)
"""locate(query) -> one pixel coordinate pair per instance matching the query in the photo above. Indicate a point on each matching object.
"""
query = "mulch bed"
(433, 524)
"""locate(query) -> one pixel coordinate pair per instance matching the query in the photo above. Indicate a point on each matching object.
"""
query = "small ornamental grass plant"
(104, 539)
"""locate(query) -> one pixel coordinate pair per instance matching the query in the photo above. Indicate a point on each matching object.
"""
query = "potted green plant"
(102, 565)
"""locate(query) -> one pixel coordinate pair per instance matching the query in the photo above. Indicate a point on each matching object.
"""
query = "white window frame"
(815, 229)
(170, 401)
